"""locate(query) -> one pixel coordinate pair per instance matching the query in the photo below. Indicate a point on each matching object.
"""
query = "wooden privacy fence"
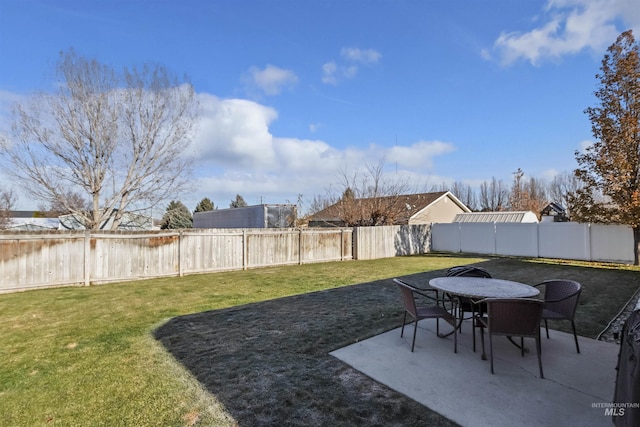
(45, 259)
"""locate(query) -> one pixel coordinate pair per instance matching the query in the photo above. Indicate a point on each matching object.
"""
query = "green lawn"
(83, 356)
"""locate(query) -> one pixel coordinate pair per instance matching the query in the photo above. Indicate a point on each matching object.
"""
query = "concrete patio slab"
(461, 387)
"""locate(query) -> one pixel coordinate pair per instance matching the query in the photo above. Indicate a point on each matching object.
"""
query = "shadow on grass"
(268, 362)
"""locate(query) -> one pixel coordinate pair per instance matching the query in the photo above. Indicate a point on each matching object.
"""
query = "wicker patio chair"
(560, 303)
(466, 305)
(517, 317)
(436, 310)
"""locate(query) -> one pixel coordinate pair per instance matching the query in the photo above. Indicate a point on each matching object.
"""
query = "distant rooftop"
(517, 217)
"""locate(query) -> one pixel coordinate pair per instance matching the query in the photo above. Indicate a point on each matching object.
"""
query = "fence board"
(517, 239)
(611, 242)
(478, 238)
(446, 237)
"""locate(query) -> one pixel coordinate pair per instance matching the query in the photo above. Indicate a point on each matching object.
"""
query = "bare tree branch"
(117, 139)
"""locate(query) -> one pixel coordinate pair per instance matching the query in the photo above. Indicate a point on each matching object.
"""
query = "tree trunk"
(636, 245)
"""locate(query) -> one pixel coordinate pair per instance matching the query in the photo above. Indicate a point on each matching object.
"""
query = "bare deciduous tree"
(563, 185)
(117, 138)
(370, 198)
(494, 195)
(7, 202)
(465, 194)
(516, 197)
(75, 200)
(527, 194)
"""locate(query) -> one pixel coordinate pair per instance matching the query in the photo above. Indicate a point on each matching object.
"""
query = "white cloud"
(314, 127)
(329, 73)
(549, 174)
(238, 154)
(568, 27)
(352, 60)
(271, 80)
(420, 154)
(366, 56)
(235, 131)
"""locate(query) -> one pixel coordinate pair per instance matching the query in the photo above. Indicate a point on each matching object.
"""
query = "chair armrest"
(423, 292)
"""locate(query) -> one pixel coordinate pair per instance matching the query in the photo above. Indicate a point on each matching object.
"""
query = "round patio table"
(478, 288)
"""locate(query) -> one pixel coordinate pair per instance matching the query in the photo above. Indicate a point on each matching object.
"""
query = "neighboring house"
(502, 216)
(129, 221)
(409, 209)
(31, 221)
(554, 212)
(257, 216)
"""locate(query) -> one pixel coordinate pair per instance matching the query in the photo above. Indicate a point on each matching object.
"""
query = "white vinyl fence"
(565, 240)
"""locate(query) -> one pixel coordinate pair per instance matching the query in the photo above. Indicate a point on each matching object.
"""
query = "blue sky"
(294, 91)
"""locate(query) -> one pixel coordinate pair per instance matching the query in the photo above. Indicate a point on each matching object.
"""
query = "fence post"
(180, 243)
(244, 249)
(300, 246)
(87, 257)
(354, 243)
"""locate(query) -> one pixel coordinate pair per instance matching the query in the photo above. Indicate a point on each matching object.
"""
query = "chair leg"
(491, 350)
(575, 336)
(455, 337)
(539, 349)
(546, 326)
(522, 346)
(415, 329)
(484, 355)
(404, 320)
(473, 330)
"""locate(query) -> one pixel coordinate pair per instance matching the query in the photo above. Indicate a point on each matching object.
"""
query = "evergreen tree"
(176, 216)
(238, 202)
(205, 205)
